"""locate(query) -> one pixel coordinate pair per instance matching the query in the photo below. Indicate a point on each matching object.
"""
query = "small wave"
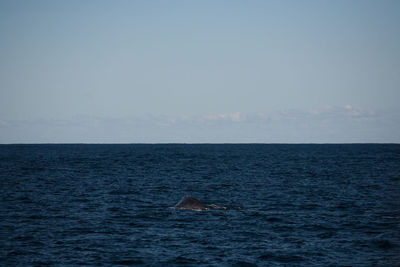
(129, 262)
(284, 258)
(182, 260)
(274, 219)
(383, 244)
(244, 264)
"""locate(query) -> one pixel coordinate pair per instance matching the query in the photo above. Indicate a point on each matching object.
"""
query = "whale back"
(190, 203)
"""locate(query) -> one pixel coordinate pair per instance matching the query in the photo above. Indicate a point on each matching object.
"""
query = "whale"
(190, 203)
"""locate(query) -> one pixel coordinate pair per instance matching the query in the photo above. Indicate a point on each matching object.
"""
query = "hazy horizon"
(199, 71)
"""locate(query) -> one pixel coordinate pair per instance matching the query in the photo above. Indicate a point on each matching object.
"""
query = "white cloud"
(234, 117)
(343, 113)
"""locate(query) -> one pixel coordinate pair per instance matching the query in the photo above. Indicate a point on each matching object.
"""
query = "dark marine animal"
(190, 203)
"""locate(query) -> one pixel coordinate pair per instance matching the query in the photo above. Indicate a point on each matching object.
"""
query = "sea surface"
(287, 205)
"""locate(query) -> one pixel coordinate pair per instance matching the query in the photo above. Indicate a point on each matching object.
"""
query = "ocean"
(286, 205)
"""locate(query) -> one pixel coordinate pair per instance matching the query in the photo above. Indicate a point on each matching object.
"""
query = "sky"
(210, 71)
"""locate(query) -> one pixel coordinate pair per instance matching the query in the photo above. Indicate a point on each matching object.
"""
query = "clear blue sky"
(199, 71)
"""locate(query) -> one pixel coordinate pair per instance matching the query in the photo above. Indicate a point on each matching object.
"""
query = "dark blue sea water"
(287, 205)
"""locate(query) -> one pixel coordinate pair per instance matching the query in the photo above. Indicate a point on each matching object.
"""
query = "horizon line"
(207, 143)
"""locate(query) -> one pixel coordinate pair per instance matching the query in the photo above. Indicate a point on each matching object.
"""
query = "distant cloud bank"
(322, 114)
(327, 124)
